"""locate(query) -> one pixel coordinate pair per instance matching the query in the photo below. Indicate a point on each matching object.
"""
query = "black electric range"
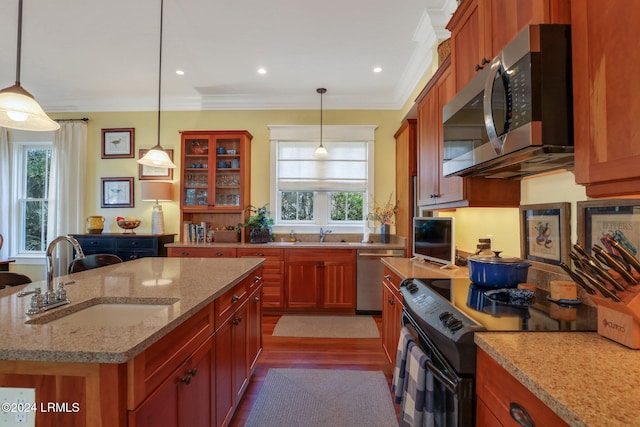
(450, 311)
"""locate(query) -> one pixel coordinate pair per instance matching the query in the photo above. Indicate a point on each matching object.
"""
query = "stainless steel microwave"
(515, 119)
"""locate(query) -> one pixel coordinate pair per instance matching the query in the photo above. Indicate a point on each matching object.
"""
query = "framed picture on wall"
(150, 172)
(545, 233)
(116, 192)
(118, 143)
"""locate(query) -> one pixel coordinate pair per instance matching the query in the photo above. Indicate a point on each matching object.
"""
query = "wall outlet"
(17, 407)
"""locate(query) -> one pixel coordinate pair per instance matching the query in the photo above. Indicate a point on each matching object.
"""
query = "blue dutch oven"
(497, 272)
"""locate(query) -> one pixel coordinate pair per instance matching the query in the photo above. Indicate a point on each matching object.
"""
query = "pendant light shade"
(321, 151)
(157, 156)
(18, 108)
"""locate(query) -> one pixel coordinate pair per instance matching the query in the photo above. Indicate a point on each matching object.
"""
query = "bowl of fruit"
(128, 224)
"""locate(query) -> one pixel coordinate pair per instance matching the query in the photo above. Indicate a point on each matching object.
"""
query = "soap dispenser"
(292, 236)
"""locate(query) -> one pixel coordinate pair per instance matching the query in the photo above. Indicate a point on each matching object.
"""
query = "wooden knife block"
(620, 321)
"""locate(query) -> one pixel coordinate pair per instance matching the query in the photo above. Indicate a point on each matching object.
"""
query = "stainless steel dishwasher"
(369, 278)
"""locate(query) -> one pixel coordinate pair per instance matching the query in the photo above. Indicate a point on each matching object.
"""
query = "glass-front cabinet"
(215, 176)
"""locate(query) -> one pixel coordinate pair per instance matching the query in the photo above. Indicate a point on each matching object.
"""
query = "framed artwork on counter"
(116, 192)
(146, 173)
(616, 218)
(545, 235)
(118, 143)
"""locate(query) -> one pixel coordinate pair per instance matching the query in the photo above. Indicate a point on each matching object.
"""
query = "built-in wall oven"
(444, 314)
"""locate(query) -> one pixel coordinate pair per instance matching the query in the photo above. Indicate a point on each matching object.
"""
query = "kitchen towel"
(399, 372)
(412, 409)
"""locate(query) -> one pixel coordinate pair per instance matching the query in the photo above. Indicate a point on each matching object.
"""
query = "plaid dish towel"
(412, 411)
(399, 372)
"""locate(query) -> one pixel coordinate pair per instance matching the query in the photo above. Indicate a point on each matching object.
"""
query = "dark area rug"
(323, 397)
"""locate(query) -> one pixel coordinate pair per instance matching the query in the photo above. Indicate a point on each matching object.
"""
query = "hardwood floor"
(311, 353)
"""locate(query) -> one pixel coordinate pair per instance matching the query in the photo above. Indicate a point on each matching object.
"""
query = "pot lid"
(496, 259)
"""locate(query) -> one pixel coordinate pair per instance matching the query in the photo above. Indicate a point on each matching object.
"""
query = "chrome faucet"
(52, 298)
(323, 234)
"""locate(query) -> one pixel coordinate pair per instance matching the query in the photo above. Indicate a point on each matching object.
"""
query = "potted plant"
(259, 224)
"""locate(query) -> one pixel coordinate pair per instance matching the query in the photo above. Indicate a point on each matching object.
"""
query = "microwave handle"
(489, 124)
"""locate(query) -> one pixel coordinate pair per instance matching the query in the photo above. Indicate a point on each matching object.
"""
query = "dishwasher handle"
(377, 255)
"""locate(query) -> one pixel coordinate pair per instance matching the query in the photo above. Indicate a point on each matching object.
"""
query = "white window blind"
(344, 169)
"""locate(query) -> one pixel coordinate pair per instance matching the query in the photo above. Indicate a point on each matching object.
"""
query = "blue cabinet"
(126, 246)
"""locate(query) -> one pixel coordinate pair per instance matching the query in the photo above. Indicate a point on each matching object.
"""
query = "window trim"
(359, 133)
(18, 152)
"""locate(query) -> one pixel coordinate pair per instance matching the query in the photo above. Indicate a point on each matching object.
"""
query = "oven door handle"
(449, 385)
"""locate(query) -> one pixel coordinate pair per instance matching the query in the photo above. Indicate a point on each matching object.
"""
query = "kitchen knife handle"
(577, 279)
(598, 285)
(628, 256)
(606, 258)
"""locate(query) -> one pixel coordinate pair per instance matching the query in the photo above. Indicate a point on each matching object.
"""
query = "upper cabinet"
(480, 29)
(406, 171)
(606, 112)
(436, 191)
(215, 176)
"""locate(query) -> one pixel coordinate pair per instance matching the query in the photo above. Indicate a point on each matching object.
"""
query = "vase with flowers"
(385, 216)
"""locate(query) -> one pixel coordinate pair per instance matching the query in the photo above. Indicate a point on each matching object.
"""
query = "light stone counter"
(291, 245)
(586, 379)
(406, 268)
(194, 282)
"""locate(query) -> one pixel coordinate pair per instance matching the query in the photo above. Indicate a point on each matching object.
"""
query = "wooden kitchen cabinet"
(320, 279)
(499, 395)
(406, 172)
(185, 398)
(480, 29)
(436, 191)
(392, 306)
(254, 327)
(273, 272)
(215, 177)
(202, 252)
(606, 126)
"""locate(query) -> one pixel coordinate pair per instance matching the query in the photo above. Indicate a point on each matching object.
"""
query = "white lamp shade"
(157, 157)
(155, 190)
(321, 151)
(19, 110)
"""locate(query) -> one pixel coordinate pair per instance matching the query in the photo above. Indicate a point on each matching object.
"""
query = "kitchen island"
(188, 359)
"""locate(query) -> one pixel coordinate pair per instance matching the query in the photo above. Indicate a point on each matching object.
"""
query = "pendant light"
(321, 151)
(157, 156)
(18, 108)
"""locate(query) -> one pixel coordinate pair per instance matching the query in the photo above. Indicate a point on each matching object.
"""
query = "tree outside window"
(34, 202)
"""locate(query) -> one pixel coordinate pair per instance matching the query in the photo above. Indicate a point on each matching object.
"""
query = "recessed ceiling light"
(262, 70)
(377, 70)
(180, 72)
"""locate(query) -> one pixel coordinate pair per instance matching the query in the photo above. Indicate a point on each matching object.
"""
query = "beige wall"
(504, 224)
(256, 122)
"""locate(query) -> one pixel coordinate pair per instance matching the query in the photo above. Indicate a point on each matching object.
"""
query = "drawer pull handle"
(237, 321)
(235, 298)
(187, 379)
(184, 253)
(134, 243)
(391, 301)
(219, 254)
(193, 372)
(256, 279)
(388, 277)
(520, 415)
(257, 299)
(259, 254)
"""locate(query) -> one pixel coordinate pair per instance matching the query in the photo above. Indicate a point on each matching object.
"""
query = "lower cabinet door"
(254, 327)
(184, 399)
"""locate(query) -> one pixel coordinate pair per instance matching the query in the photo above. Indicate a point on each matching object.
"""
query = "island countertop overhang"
(194, 282)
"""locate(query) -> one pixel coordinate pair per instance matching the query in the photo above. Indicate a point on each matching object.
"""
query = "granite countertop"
(289, 245)
(586, 379)
(406, 268)
(185, 285)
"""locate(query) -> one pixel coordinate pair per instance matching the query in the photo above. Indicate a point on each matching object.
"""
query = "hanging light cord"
(159, 67)
(321, 91)
(18, 55)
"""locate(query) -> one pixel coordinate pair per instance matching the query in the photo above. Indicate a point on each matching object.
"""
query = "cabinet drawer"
(499, 391)
(266, 253)
(202, 252)
(228, 302)
(93, 245)
(135, 243)
(392, 279)
(127, 255)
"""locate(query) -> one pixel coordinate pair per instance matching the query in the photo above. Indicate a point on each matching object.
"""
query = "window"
(30, 196)
(321, 191)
